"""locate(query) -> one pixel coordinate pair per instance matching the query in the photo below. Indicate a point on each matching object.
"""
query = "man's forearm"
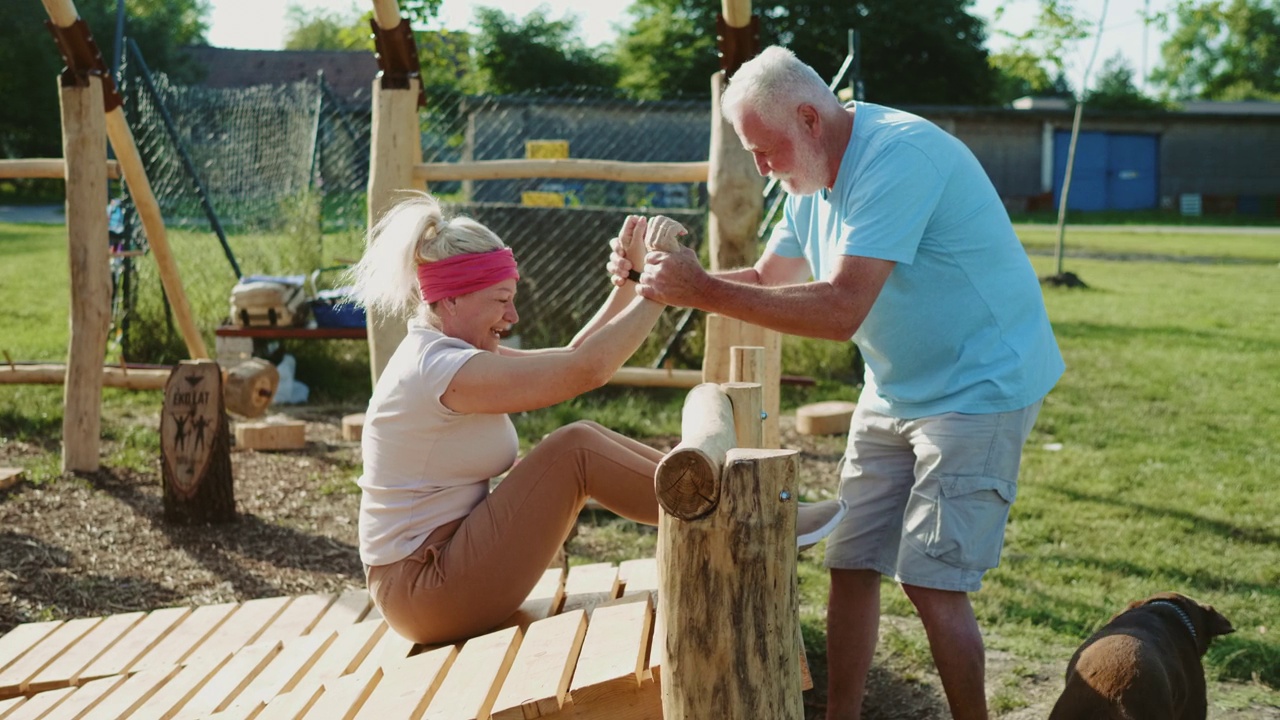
(813, 309)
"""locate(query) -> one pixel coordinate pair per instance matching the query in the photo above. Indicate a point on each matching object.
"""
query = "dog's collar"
(1181, 615)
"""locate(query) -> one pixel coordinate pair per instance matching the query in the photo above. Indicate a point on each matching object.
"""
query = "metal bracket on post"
(736, 44)
(83, 59)
(397, 57)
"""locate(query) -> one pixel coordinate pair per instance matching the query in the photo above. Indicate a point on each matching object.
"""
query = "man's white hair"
(413, 231)
(773, 84)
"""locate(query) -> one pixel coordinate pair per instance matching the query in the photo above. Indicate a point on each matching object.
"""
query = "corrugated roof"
(349, 74)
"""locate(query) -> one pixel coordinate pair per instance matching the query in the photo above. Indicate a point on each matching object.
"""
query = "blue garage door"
(1113, 171)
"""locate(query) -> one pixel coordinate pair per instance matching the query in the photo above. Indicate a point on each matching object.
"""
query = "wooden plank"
(121, 656)
(7, 706)
(539, 677)
(344, 696)
(62, 672)
(15, 678)
(85, 697)
(408, 686)
(22, 638)
(614, 652)
(184, 638)
(658, 647)
(232, 678)
(345, 653)
(240, 629)
(291, 705)
(589, 585)
(168, 700)
(543, 600)
(39, 705)
(350, 607)
(638, 576)
(391, 648)
(642, 703)
(293, 662)
(476, 676)
(302, 614)
(131, 694)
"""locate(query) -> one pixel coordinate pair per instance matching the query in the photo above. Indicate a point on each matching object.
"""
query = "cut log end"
(688, 484)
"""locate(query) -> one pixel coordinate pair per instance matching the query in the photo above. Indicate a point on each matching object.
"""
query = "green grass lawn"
(1153, 466)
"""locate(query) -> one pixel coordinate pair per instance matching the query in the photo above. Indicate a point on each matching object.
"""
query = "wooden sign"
(195, 446)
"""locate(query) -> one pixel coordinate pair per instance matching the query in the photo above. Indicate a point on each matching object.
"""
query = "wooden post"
(723, 333)
(84, 145)
(395, 148)
(195, 446)
(728, 597)
(735, 190)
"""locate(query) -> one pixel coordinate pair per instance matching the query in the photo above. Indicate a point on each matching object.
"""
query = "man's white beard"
(809, 166)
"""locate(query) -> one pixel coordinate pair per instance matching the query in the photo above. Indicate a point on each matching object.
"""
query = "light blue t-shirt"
(960, 325)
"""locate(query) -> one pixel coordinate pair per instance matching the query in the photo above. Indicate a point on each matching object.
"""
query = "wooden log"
(84, 144)
(737, 13)
(395, 147)
(353, 427)
(46, 169)
(271, 435)
(9, 477)
(250, 386)
(735, 191)
(112, 376)
(728, 598)
(570, 168)
(688, 478)
(195, 446)
(656, 377)
(825, 418)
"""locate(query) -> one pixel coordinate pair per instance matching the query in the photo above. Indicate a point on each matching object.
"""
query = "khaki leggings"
(471, 574)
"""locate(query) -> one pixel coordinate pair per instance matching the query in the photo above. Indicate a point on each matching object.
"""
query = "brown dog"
(1144, 664)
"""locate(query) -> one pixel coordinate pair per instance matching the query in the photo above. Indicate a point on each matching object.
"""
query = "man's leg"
(853, 623)
(956, 643)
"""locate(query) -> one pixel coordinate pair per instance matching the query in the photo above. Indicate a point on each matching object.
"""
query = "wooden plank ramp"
(581, 646)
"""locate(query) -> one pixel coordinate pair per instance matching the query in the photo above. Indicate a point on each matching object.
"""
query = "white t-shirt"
(424, 464)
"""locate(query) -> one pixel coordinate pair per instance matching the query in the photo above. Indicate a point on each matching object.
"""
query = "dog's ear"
(1218, 624)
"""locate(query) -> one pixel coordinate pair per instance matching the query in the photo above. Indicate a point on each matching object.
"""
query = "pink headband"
(466, 273)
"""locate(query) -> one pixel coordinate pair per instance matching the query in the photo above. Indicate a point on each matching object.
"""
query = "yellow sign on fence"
(546, 149)
(535, 198)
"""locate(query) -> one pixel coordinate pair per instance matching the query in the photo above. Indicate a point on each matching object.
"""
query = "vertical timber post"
(84, 147)
(395, 148)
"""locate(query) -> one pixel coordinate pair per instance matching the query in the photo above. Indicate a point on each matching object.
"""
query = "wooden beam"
(688, 478)
(45, 168)
(578, 169)
(84, 145)
(112, 376)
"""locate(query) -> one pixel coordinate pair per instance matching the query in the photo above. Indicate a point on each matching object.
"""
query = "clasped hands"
(669, 273)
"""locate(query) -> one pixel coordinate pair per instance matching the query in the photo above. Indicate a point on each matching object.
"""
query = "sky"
(260, 24)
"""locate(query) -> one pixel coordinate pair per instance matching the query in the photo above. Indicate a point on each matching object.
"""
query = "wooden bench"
(233, 344)
(581, 646)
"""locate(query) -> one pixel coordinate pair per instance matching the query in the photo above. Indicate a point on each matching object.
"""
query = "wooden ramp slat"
(7, 706)
(539, 676)
(638, 576)
(232, 678)
(589, 585)
(293, 662)
(302, 614)
(344, 696)
(344, 654)
(350, 607)
(64, 670)
(239, 629)
(22, 638)
(543, 600)
(170, 697)
(472, 684)
(291, 705)
(179, 642)
(406, 687)
(131, 694)
(85, 697)
(614, 653)
(14, 679)
(38, 705)
(121, 656)
(391, 648)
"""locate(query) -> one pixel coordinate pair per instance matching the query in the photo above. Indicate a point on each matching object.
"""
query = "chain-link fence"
(273, 180)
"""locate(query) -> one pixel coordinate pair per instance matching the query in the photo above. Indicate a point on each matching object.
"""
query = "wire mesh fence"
(273, 180)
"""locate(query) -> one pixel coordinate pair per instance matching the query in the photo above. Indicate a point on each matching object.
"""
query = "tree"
(1038, 54)
(911, 52)
(29, 121)
(1020, 73)
(1114, 89)
(514, 56)
(322, 29)
(1222, 50)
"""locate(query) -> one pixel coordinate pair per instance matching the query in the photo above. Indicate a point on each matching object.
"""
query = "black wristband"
(633, 276)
